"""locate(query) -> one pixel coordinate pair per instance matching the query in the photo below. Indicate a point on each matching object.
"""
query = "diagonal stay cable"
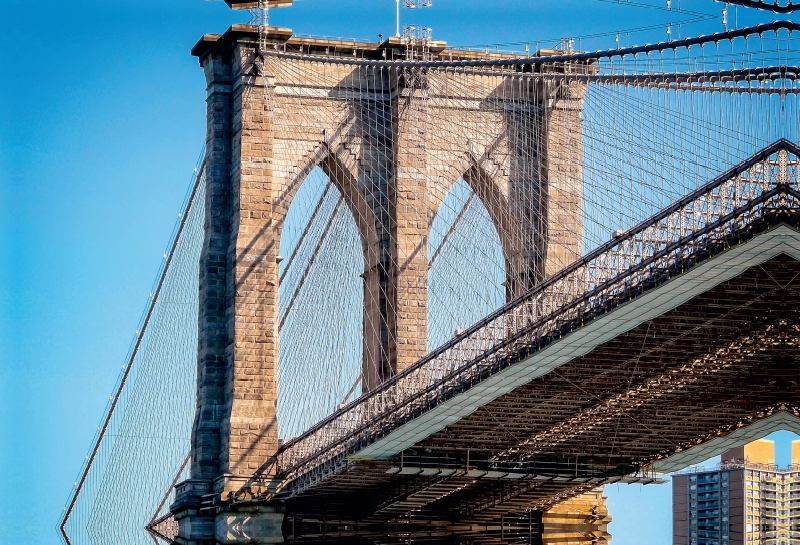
(137, 345)
(497, 348)
(156, 518)
(452, 229)
(305, 232)
(311, 262)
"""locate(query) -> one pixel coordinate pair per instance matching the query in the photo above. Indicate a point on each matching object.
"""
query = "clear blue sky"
(102, 117)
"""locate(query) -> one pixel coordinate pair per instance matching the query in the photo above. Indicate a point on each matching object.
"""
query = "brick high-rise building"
(748, 500)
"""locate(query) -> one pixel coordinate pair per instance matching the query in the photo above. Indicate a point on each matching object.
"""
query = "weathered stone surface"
(582, 520)
(393, 142)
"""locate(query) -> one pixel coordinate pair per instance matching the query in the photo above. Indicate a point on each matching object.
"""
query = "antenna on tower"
(259, 16)
(414, 31)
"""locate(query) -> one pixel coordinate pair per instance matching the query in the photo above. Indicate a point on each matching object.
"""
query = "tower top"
(255, 4)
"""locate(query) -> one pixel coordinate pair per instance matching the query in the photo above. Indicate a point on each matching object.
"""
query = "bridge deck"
(723, 359)
(676, 334)
(536, 333)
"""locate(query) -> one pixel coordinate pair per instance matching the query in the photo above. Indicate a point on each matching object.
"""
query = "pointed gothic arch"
(321, 303)
(520, 236)
(467, 266)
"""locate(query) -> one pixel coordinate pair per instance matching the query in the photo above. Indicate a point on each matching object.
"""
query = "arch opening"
(321, 307)
(467, 268)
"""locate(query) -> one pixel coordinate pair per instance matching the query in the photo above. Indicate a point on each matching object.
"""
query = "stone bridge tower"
(382, 131)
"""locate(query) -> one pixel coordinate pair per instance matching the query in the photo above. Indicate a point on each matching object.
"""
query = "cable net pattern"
(467, 273)
(320, 238)
(731, 208)
(514, 168)
(141, 448)
(468, 236)
(417, 198)
(519, 167)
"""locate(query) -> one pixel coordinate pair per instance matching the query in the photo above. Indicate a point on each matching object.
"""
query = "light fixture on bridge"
(415, 4)
(417, 33)
(411, 4)
(566, 45)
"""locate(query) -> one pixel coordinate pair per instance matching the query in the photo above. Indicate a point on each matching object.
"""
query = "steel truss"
(689, 231)
(678, 380)
(718, 362)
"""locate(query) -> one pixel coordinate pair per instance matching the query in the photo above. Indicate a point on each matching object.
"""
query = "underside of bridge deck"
(718, 362)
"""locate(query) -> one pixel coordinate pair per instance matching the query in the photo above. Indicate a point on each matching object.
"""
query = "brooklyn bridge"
(428, 294)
